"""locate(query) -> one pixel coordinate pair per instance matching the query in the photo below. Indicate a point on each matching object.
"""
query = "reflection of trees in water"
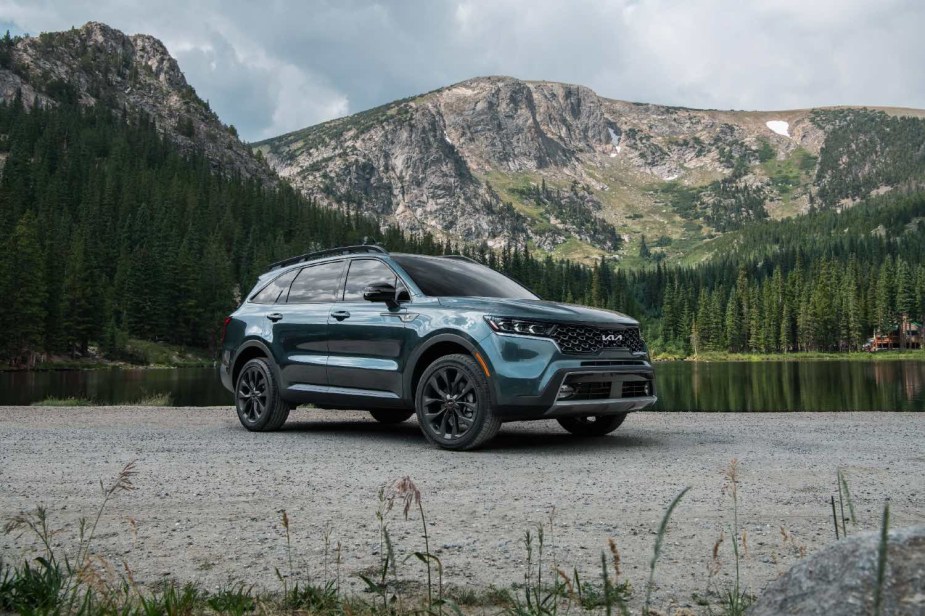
(792, 386)
(905, 376)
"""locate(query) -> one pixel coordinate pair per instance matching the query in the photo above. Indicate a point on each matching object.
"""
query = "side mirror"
(380, 292)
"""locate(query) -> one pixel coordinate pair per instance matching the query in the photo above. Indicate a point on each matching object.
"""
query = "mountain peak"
(503, 160)
(98, 64)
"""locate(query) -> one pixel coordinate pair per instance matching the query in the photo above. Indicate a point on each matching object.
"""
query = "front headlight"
(506, 325)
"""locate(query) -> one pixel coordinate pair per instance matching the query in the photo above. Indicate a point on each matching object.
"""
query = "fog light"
(566, 392)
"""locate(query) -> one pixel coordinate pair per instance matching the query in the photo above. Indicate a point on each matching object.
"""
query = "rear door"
(300, 330)
(367, 340)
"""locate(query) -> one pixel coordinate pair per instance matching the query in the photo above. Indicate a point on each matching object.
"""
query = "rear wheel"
(391, 417)
(592, 425)
(453, 404)
(257, 400)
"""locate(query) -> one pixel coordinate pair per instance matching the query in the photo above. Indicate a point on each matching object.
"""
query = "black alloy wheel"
(257, 398)
(454, 404)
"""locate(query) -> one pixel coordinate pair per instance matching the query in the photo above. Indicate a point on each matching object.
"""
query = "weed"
(165, 399)
(314, 599)
(844, 495)
(657, 551)
(881, 560)
(478, 597)
(70, 401)
(236, 600)
(171, 600)
(734, 601)
(32, 588)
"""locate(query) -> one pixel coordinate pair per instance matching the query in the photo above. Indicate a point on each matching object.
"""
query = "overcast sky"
(272, 66)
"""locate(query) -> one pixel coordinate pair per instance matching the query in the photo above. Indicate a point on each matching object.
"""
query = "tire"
(391, 417)
(453, 404)
(592, 425)
(256, 396)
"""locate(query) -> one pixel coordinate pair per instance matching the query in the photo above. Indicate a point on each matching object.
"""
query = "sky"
(273, 66)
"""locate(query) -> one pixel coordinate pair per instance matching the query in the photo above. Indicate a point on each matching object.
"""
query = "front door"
(366, 340)
(301, 329)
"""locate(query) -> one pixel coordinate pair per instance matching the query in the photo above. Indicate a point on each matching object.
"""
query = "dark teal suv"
(457, 343)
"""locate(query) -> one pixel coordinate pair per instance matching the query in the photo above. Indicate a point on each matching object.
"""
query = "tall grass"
(657, 551)
(70, 401)
(734, 601)
(881, 560)
(77, 581)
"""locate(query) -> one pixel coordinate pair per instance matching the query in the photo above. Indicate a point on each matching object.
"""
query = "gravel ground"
(209, 494)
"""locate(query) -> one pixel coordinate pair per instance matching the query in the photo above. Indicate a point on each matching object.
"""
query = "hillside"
(98, 65)
(579, 175)
(128, 211)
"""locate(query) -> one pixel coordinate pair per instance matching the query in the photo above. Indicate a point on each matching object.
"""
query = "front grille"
(636, 389)
(581, 339)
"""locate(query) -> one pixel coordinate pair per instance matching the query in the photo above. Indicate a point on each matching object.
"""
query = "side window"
(317, 283)
(276, 290)
(364, 272)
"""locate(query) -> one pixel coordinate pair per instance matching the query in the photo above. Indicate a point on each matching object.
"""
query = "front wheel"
(453, 404)
(257, 400)
(391, 417)
(592, 425)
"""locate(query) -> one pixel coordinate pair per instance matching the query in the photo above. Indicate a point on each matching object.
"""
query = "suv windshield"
(445, 277)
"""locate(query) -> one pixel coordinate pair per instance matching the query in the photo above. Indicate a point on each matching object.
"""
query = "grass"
(73, 578)
(718, 356)
(148, 353)
(576, 250)
(64, 402)
(163, 399)
(153, 400)
(137, 352)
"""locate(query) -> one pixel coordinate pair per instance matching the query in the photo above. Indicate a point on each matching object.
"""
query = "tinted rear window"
(318, 283)
(441, 277)
(276, 290)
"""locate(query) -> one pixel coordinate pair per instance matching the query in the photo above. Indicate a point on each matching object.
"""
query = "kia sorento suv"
(460, 345)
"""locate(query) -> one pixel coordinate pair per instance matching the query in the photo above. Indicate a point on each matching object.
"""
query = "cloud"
(273, 66)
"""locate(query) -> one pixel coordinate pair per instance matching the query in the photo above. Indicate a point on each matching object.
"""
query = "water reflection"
(792, 386)
(683, 386)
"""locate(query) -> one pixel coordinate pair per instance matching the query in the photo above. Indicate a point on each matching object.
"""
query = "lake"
(682, 386)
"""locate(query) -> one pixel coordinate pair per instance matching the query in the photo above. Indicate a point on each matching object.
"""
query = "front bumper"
(528, 375)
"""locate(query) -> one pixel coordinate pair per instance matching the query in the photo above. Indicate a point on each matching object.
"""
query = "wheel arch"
(249, 350)
(435, 347)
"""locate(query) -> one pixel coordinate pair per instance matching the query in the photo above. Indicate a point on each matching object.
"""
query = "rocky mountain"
(501, 160)
(96, 64)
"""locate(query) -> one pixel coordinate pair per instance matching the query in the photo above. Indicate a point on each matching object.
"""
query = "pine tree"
(27, 303)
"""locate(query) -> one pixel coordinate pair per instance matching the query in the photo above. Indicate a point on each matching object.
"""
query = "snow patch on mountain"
(779, 126)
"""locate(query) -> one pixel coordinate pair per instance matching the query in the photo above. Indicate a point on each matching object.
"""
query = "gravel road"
(209, 494)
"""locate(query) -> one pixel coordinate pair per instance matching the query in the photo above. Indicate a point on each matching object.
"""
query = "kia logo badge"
(618, 338)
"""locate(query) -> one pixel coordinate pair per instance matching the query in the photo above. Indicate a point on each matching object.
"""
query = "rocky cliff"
(97, 64)
(501, 160)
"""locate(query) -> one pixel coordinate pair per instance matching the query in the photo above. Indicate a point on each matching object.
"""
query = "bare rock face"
(840, 580)
(101, 65)
(505, 161)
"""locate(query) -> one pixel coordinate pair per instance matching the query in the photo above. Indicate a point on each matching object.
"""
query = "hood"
(539, 310)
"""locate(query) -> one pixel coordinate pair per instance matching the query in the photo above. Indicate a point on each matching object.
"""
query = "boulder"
(840, 580)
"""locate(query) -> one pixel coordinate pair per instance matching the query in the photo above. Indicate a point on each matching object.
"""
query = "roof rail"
(331, 252)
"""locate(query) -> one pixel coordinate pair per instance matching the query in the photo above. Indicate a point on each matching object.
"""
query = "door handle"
(340, 315)
(275, 316)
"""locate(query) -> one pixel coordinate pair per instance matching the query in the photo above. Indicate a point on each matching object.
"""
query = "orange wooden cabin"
(910, 337)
